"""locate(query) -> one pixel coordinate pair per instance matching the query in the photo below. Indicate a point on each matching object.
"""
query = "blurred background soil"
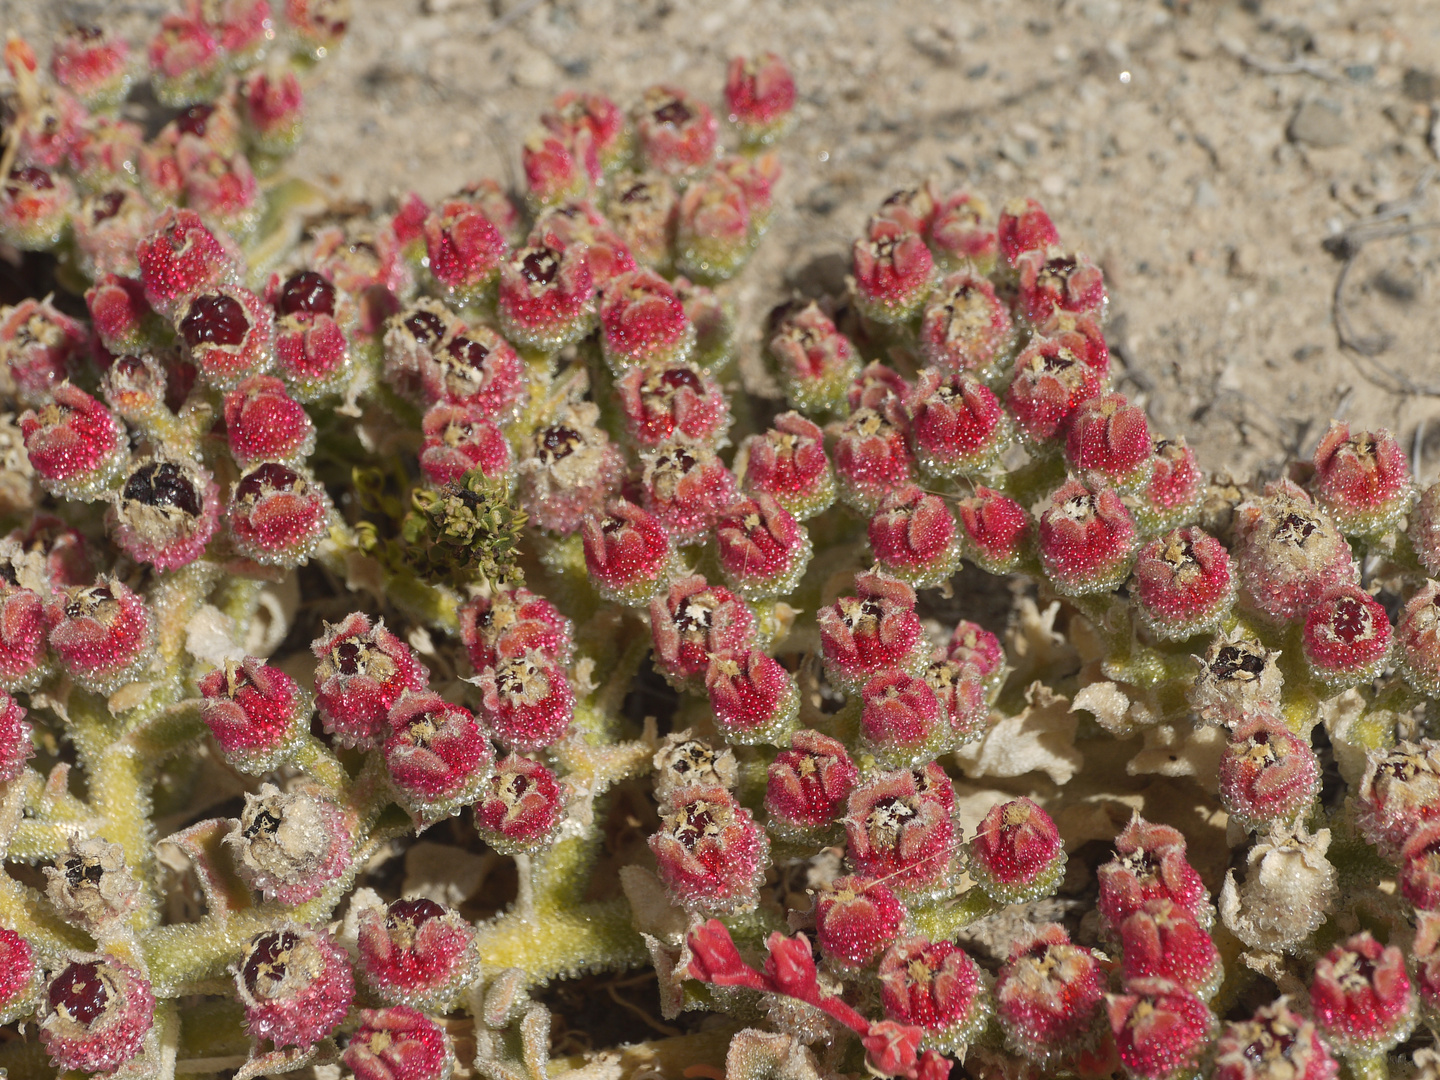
(1219, 159)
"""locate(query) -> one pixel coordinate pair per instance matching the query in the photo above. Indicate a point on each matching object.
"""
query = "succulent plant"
(567, 570)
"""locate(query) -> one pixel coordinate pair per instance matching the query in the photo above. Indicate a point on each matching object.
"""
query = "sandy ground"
(1202, 152)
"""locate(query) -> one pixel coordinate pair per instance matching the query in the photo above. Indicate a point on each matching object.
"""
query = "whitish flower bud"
(1287, 892)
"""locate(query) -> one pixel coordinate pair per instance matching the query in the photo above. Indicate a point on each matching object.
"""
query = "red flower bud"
(709, 852)
(957, 424)
(547, 296)
(788, 463)
(102, 633)
(1417, 639)
(1289, 553)
(465, 250)
(808, 784)
(95, 1014)
(1048, 994)
(415, 952)
(693, 620)
(675, 401)
(20, 976)
(118, 312)
(677, 134)
(459, 439)
(856, 919)
(1109, 441)
(872, 458)
(398, 1043)
(15, 750)
(1275, 1043)
(790, 966)
(1362, 480)
(312, 352)
(41, 347)
(521, 807)
(627, 553)
(715, 959)
(436, 756)
(290, 846)
(900, 831)
(526, 701)
(35, 206)
(1016, 854)
(264, 423)
(1267, 775)
(894, 272)
(936, 986)
(363, 670)
(754, 699)
(1054, 281)
(295, 985)
(1182, 584)
(1362, 997)
(714, 228)
(893, 1049)
(762, 550)
(23, 635)
(511, 622)
(995, 530)
(1163, 941)
(1024, 226)
(760, 96)
(559, 166)
(1161, 1029)
(914, 538)
(961, 235)
(1053, 377)
(687, 487)
(255, 712)
(965, 326)
(1346, 638)
(272, 105)
(1419, 878)
(1172, 494)
(278, 515)
(1086, 539)
(902, 722)
(816, 362)
(228, 334)
(570, 470)
(1149, 864)
(1399, 793)
(75, 445)
(596, 114)
(182, 259)
(868, 633)
(962, 692)
(92, 65)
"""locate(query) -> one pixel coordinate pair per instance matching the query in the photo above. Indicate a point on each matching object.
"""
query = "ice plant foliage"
(323, 531)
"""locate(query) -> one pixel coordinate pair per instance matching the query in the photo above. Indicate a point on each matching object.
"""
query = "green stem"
(554, 943)
(1373, 1067)
(943, 923)
(318, 761)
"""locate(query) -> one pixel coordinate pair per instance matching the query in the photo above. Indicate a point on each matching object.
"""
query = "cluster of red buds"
(513, 421)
